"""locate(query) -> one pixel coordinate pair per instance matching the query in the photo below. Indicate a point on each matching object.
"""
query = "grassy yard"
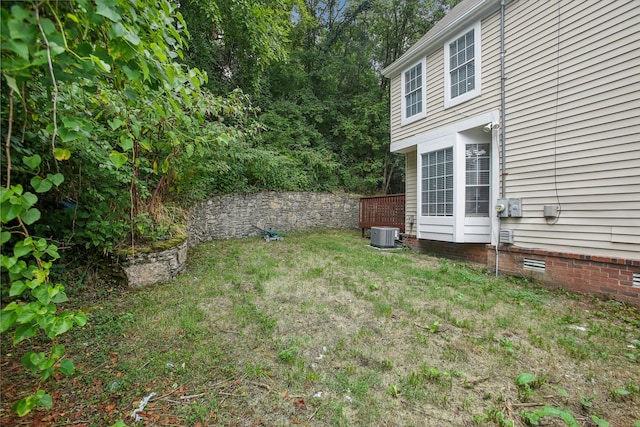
(321, 329)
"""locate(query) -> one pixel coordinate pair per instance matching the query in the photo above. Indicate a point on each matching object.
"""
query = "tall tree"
(235, 40)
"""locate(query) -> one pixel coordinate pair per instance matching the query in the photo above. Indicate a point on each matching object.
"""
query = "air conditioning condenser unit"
(384, 237)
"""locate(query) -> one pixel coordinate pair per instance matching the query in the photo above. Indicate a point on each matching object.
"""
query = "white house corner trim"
(453, 228)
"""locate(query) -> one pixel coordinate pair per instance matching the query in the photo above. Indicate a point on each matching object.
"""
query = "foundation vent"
(636, 280)
(534, 264)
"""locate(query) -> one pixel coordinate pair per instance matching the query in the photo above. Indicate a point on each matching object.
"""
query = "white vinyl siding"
(411, 182)
(573, 125)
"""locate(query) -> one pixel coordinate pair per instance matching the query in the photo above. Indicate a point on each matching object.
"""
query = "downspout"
(503, 151)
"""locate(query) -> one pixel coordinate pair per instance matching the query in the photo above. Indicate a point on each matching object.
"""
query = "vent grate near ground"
(534, 264)
(506, 235)
(636, 280)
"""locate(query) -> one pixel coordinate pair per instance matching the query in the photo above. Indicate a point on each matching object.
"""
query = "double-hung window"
(414, 93)
(478, 184)
(462, 63)
(437, 183)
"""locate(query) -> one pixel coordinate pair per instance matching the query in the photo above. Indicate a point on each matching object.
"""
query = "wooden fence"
(382, 211)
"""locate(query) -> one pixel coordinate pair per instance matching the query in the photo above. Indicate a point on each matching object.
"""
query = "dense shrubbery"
(109, 129)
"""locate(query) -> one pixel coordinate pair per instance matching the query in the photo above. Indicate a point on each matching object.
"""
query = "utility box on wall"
(515, 208)
(509, 208)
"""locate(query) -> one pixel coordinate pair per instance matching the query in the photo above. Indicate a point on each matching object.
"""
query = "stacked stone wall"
(237, 216)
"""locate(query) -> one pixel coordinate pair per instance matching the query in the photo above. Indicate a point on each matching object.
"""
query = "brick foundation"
(595, 275)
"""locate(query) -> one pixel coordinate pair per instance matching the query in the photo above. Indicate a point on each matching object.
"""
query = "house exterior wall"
(437, 115)
(572, 127)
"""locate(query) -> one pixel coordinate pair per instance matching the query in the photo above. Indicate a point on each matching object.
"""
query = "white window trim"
(452, 228)
(406, 120)
(477, 52)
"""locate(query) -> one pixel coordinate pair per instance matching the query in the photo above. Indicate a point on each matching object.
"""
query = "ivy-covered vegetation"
(118, 115)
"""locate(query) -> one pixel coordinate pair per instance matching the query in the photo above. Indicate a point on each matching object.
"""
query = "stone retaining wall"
(147, 268)
(237, 216)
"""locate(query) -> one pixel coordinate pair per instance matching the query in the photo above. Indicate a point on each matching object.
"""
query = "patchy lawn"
(321, 329)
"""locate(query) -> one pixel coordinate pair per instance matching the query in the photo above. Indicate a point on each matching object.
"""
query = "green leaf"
(67, 367)
(126, 143)
(28, 200)
(52, 251)
(118, 159)
(61, 154)
(105, 8)
(31, 216)
(43, 399)
(22, 248)
(7, 319)
(144, 67)
(23, 406)
(57, 351)
(80, 319)
(8, 262)
(115, 123)
(525, 378)
(100, 63)
(566, 416)
(41, 185)
(47, 26)
(13, 85)
(56, 179)
(562, 392)
(42, 294)
(8, 213)
(600, 423)
(23, 332)
(132, 38)
(5, 194)
(60, 326)
(5, 236)
(18, 47)
(17, 288)
(32, 162)
(60, 297)
(27, 313)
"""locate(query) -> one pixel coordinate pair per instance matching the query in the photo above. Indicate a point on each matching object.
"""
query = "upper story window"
(414, 93)
(462, 63)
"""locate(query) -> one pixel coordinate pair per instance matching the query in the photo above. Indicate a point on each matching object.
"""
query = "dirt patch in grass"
(322, 330)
